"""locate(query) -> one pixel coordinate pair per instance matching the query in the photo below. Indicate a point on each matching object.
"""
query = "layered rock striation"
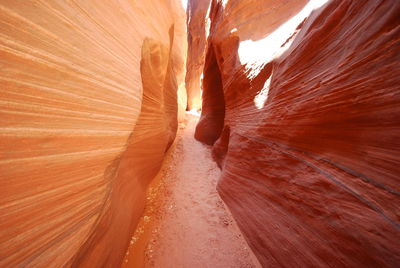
(306, 127)
(90, 92)
(198, 29)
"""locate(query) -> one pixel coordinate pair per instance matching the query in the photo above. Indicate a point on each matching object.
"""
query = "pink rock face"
(310, 147)
(88, 108)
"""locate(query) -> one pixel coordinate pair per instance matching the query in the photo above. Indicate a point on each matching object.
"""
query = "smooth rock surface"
(88, 107)
(309, 142)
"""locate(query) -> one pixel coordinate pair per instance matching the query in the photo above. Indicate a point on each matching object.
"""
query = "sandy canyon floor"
(185, 223)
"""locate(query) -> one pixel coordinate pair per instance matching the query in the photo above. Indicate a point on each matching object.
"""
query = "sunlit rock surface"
(88, 108)
(307, 133)
(198, 28)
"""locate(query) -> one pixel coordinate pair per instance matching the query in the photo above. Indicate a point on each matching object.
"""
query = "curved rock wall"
(88, 108)
(309, 145)
(197, 41)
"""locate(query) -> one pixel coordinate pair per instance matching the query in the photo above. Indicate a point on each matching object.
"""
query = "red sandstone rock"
(88, 108)
(212, 120)
(197, 40)
(311, 162)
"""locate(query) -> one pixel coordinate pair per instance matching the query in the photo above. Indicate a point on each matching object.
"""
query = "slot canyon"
(200, 133)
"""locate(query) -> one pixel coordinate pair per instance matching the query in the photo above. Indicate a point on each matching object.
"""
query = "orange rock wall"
(88, 107)
(197, 41)
(308, 143)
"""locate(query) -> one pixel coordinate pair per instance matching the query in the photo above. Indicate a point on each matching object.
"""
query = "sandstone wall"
(197, 41)
(307, 134)
(88, 107)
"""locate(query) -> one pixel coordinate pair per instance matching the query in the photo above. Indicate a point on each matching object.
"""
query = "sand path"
(185, 223)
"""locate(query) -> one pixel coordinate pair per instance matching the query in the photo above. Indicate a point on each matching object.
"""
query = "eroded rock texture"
(88, 108)
(309, 141)
(197, 40)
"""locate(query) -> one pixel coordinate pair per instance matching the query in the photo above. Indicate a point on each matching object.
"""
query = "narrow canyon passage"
(185, 223)
(293, 162)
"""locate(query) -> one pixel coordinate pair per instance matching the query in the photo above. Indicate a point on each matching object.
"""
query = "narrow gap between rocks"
(185, 223)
